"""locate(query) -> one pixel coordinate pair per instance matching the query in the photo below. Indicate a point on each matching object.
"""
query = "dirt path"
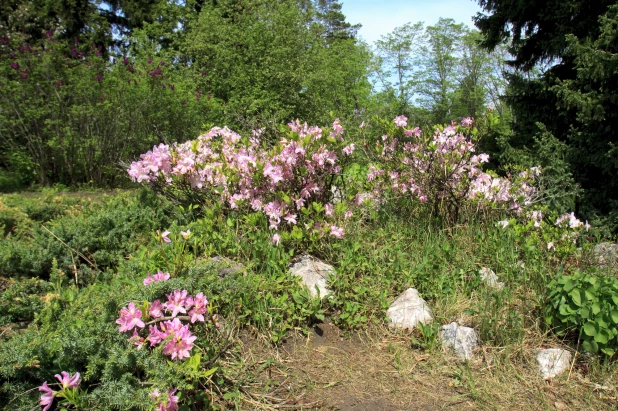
(379, 371)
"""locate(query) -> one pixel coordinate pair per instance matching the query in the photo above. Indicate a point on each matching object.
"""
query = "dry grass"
(379, 370)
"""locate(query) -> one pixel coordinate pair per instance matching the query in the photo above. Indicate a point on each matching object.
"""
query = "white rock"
(337, 194)
(313, 273)
(606, 254)
(461, 339)
(490, 279)
(553, 361)
(408, 310)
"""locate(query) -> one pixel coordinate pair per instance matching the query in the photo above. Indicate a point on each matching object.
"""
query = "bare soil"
(379, 370)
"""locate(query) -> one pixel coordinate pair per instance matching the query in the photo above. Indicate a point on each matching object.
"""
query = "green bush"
(586, 306)
(86, 242)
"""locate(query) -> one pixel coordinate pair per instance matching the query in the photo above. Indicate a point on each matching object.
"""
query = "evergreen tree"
(573, 95)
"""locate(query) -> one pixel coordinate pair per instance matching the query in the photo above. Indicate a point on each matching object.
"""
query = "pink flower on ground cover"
(164, 236)
(159, 276)
(172, 401)
(177, 302)
(181, 342)
(200, 307)
(47, 398)
(275, 239)
(156, 309)
(67, 381)
(129, 318)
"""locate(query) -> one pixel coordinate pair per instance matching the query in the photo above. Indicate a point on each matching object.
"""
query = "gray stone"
(553, 361)
(226, 266)
(337, 194)
(408, 310)
(606, 254)
(461, 339)
(314, 274)
(490, 279)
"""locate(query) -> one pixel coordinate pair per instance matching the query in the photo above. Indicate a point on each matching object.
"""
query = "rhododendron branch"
(160, 319)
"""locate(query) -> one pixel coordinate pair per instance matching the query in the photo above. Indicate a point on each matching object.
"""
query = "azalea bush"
(441, 170)
(292, 183)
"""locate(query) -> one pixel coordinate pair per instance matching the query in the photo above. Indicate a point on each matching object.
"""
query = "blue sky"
(380, 17)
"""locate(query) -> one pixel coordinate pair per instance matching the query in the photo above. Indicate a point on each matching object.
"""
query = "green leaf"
(608, 351)
(596, 308)
(576, 297)
(614, 315)
(590, 329)
(208, 373)
(568, 285)
(590, 346)
(602, 337)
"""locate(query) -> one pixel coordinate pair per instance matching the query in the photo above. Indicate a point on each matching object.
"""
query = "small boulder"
(490, 279)
(606, 254)
(314, 274)
(461, 339)
(408, 310)
(553, 361)
(226, 266)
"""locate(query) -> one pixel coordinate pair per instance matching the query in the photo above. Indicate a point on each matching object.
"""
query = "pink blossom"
(137, 340)
(200, 307)
(67, 381)
(159, 276)
(180, 344)
(550, 245)
(401, 121)
(337, 129)
(348, 214)
(156, 309)
(336, 231)
(186, 234)
(328, 210)
(164, 236)
(503, 223)
(47, 398)
(130, 318)
(414, 132)
(177, 302)
(275, 239)
(290, 218)
(348, 150)
(171, 404)
(466, 121)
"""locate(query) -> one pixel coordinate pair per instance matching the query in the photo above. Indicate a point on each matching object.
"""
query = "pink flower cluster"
(170, 331)
(171, 404)
(445, 167)
(279, 182)
(66, 381)
(159, 276)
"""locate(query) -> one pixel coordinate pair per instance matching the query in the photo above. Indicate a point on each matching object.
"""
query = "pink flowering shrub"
(444, 171)
(168, 331)
(283, 182)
